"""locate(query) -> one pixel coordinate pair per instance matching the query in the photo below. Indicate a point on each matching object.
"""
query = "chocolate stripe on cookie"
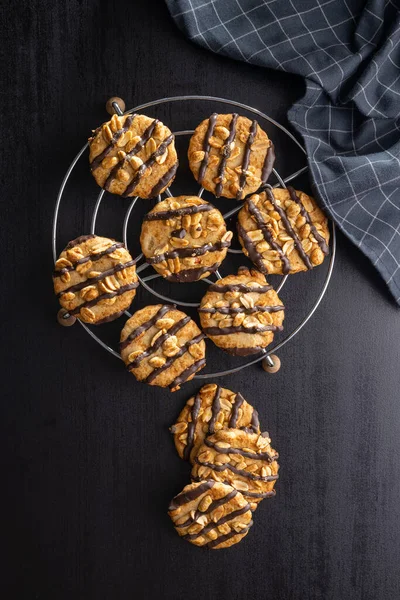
(255, 423)
(256, 456)
(239, 287)
(187, 497)
(250, 246)
(145, 326)
(171, 360)
(91, 280)
(221, 521)
(228, 310)
(241, 472)
(240, 329)
(159, 152)
(188, 275)
(228, 536)
(246, 159)
(185, 252)
(192, 426)
(107, 296)
(216, 407)
(321, 240)
(206, 147)
(163, 215)
(289, 229)
(268, 163)
(260, 494)
(117, 135)
(215, 504)
(257, 215)
(158, 343)
(79, 240)
(226, 152)
(141, 143)
(184, 376)
(235, 410)
(85, 259)
(165, 180)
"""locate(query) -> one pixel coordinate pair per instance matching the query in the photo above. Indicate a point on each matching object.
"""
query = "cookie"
(244, 460)
(211, 514)
(212, 408)
(241, 313)
(160, 345)
(184, 238)
(230, 155)
(283, 231)
(95, 279)
(133, 155)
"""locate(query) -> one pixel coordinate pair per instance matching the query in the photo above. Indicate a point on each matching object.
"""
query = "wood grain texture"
(89, 466)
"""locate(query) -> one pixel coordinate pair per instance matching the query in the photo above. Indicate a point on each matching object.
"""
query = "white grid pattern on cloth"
(349, 118)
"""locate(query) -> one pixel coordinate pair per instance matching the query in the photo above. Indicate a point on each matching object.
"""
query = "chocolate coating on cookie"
(211, 514)
(211, 409)
(162, 346)
(283, 231)
(184, 238)
(241, 313)
(133, 155)
(244, 460)
(230, 155)
(95, 279)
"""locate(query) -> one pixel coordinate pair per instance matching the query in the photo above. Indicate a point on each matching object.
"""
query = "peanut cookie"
(244, 460)
(133, 155)
(95, 279)
(184, 238)
(230, 155)
(162, 346)
(211, 514)
(283, 231)
(212, 408)
(240, 313)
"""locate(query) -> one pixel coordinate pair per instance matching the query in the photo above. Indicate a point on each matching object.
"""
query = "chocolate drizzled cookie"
(230, 155)
(283, 231)
(244, 460)
(241, 313)
(95, 279)
(133, 155)
(211, 514)
(211, 409)
(184, 238)
(162, 346)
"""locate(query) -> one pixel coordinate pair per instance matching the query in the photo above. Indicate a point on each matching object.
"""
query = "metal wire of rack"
(265, 355)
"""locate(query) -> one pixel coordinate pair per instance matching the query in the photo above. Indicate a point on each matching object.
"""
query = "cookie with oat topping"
(211, 514)
(241, 313)
(230, 155)
(162, 346)
(244, 460)
(95, 279)
(211, 409)
(283, 231)
(133, 155)
(184, 238)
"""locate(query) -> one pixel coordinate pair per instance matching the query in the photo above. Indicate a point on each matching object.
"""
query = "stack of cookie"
(234, 467)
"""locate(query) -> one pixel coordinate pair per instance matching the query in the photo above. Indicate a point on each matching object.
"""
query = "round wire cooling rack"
(271, 362)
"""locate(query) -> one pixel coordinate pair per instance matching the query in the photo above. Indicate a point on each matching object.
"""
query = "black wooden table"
(89, 466)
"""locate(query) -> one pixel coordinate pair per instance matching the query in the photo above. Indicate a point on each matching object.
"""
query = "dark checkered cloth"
(349, 53)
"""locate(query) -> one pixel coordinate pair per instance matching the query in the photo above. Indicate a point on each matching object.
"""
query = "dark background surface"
(89, 466)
